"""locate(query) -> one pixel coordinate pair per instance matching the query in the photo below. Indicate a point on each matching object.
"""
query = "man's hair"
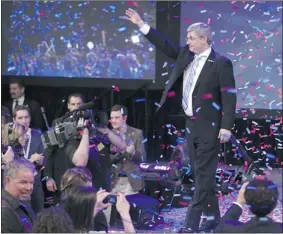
(74, 177)
(19, 108)
(16, 165)
(121, 108)
(75, 95)
(261, 196)
(202, 30)
(10, 132)
(79, 204)
(53, 220)
(20, 82)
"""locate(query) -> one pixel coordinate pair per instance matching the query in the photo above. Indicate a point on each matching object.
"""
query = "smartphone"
(111, 198)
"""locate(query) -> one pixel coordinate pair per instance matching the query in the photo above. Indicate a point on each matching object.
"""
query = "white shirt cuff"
(145, 29)
(236, 203)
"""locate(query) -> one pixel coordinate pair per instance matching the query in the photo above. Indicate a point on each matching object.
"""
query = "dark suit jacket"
(131, 164)
(230, 223)
(216, 78)
(35, 112)
(37, 196)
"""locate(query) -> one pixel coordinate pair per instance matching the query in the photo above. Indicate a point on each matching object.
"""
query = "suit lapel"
(210, 60)
(184, 59)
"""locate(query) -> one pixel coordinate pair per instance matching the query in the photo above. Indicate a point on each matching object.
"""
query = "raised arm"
(157, 39)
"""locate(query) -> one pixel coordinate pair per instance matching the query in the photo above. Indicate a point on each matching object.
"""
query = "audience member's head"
(74, 177)
(14, 135)
(17, 88)
(261, 196)
(53, 220)
(21, 115)
(79, 204)
(19, 178)
(75, 100)
(118, 116)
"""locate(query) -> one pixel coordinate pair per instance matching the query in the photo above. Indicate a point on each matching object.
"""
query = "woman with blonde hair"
(13, 141)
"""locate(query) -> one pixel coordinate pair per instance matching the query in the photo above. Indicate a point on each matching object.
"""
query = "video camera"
(67, 128)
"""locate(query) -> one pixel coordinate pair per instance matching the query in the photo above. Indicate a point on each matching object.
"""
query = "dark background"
(52, 92)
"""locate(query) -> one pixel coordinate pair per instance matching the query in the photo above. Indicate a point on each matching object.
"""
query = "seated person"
(53, 220)
(83, 203)
(261, 195)
(127, 177)
(17, 216)
(80, 176)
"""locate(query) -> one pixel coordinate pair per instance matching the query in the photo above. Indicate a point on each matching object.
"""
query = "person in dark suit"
(261, 196)
(126, 174)
(16, 215)
(209, 103)
(33, 151)
(17, 91)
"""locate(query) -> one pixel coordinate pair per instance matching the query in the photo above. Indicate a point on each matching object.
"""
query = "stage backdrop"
(260, 136)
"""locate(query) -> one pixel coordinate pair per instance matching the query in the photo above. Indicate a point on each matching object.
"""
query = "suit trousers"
(123, 186)
(204, 161)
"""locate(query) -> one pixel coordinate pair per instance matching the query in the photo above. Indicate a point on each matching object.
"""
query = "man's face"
(21, 186)
(22, 117)
(117, 119)
(196, 43)
(16, 91)
(74, 103)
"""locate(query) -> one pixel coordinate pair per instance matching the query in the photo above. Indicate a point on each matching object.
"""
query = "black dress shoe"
(185, 230)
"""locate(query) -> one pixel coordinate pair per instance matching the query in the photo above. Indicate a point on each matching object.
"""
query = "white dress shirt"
(202, 59)
(20, 101)
(204, 55)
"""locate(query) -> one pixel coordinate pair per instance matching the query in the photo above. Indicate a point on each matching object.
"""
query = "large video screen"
(89, 39)
(249, 33)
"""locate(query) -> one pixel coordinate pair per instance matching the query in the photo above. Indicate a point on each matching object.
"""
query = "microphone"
(87, 106)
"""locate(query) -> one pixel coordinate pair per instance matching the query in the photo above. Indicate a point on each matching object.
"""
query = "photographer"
(86, 151)
(13, 141)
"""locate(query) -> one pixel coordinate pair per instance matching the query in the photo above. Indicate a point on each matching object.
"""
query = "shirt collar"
(205, 53)
(14, 202)
(20, 100)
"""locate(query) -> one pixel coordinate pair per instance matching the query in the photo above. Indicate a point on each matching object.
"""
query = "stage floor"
(174, 219)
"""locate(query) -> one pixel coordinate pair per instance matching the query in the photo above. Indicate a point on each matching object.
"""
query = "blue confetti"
(122, 29)
(140, 100)
(216, 106)
(274, 186)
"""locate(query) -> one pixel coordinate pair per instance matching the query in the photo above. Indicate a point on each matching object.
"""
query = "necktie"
(17, 103)
(190, 73)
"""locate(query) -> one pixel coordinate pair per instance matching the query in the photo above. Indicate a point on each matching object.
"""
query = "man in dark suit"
(34, 153)
(17, 91)
(261, 195)
(126, 173)
(209, 102)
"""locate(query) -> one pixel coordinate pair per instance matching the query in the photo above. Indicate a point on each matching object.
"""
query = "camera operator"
(86, 151)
